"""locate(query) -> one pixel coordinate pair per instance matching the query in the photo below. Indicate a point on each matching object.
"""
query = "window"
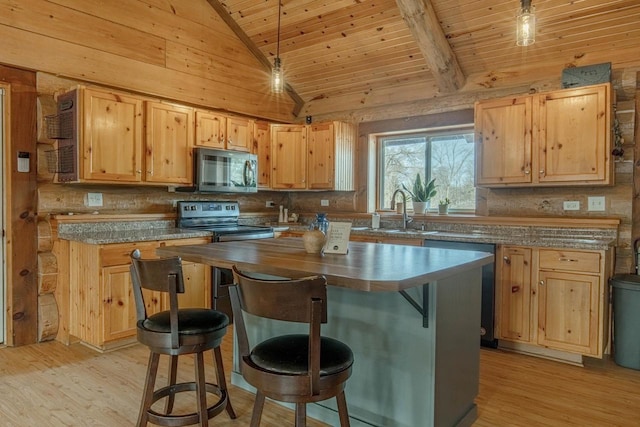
(444, 154)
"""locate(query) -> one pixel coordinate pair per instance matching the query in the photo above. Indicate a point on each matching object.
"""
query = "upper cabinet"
(110, 136)
(313, 157)
(169, 143)
(547, 139)
(121, 138)
(261, 147)
(215, 130)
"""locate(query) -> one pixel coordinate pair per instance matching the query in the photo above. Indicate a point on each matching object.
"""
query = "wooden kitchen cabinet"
(215, 130)
(261, 147)
(554, 298)
(547, 139)
(169, 143)
(103, 312)
(288, 157)
(514, 293)
(313, 157)
(112, 136)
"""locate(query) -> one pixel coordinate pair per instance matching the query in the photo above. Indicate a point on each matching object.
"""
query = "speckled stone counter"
(575, 238)
(125, 231)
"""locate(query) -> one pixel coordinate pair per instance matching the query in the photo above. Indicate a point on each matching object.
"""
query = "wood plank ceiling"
(342, 55)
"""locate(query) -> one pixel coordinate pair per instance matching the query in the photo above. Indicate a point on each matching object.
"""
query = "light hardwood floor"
(50, 384)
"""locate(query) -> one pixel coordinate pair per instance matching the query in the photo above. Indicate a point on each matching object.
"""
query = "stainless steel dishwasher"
(487, 316)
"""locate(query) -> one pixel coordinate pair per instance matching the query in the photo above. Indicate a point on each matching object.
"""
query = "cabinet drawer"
(570, 260)
(119, 254)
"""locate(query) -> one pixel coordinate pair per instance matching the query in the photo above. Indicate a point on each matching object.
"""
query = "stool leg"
(222, 383)
(147, 395)
(173, 370)
(342, 410)
(301, 415)
(201, 390)
(257, 409)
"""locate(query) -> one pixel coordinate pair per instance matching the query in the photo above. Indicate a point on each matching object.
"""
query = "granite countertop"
(566, 238)
(125, 232)
(139, 231)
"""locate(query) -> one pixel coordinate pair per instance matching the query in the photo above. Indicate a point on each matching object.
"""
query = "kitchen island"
(411, 316)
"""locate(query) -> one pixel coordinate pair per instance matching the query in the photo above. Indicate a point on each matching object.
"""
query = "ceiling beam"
(244, 38)
(425, 27)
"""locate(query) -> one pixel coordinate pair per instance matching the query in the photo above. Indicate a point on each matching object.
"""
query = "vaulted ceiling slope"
(344, 56)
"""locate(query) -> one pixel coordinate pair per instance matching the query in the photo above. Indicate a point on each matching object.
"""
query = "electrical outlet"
(596, 203)
(571, 205)
(94, 199)
(270, 204)
(324, 202)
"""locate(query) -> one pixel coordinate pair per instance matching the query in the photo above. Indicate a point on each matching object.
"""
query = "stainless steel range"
(221, 219)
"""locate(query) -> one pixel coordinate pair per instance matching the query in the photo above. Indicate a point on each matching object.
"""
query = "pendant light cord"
(278, 43)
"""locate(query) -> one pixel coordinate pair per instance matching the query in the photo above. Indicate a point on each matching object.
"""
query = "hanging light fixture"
(526, 24)
(277, 79)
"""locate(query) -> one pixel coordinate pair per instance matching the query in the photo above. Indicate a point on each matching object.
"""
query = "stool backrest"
(160, 275)
(289, 299)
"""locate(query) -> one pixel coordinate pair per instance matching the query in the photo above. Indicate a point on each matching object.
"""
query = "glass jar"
(320, 223)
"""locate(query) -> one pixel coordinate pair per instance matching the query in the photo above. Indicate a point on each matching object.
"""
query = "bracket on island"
(424, 310)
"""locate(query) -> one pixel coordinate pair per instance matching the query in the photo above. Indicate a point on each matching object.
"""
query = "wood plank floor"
(50, 384)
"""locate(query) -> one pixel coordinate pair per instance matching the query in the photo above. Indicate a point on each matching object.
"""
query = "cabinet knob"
(507, 260)
(541, 282)
(138, 171)
(541, 171)
(515, 289)
(527, 172)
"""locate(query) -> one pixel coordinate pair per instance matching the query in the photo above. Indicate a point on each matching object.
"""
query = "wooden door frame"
(20, 207)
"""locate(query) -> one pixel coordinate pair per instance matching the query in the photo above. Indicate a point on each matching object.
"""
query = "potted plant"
(443, 206)
(421, 193)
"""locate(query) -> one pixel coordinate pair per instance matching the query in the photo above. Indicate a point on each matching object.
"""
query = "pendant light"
(277, 80)
(526, 24)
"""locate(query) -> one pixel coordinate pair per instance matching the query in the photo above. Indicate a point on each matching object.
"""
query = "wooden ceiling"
(342, 55)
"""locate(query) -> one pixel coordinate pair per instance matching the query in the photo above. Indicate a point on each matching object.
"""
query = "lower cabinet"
(554, 298)
(103, 311)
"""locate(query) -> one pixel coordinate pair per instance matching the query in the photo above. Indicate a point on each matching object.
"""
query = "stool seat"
(289, 355)
(173, 332)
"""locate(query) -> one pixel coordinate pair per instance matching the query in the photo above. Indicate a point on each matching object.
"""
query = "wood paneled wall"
(180, 51)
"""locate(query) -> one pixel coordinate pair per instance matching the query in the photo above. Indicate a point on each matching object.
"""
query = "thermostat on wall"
(23, 161)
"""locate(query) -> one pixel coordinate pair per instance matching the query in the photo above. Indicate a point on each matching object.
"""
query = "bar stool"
(297, 368)
(175, 332)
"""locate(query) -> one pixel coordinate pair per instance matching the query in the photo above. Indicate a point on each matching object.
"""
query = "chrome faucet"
(405, 217)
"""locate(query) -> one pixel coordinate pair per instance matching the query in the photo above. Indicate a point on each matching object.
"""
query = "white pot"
(420, 207)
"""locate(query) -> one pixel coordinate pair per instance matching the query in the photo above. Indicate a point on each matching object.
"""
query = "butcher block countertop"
(367, 267)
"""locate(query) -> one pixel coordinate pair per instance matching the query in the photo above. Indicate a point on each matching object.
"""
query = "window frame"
(375, 170)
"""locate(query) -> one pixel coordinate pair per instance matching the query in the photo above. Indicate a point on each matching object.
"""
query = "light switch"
(94, 199)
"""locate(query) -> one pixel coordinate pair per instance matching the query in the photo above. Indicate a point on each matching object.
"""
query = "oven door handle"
(248, 236)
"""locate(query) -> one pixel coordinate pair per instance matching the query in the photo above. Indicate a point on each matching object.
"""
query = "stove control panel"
(206, 209)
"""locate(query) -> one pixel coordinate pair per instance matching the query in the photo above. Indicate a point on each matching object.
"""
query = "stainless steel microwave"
(224, 171)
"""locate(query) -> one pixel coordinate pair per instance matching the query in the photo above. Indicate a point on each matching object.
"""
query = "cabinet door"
(568, 311)
(261, 146)
(321, 160)
(119, 306)
(288, 156)
(514, 294)
(111, 137)
(239, 134)
(197, 284)
(574, 135)
(210, 130)
(503, 141)
(169, 143)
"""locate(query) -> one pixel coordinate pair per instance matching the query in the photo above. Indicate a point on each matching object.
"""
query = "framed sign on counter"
(337, 238)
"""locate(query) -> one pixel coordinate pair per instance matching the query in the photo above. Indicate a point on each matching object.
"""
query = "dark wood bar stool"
(175, 332)
(297, 368)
